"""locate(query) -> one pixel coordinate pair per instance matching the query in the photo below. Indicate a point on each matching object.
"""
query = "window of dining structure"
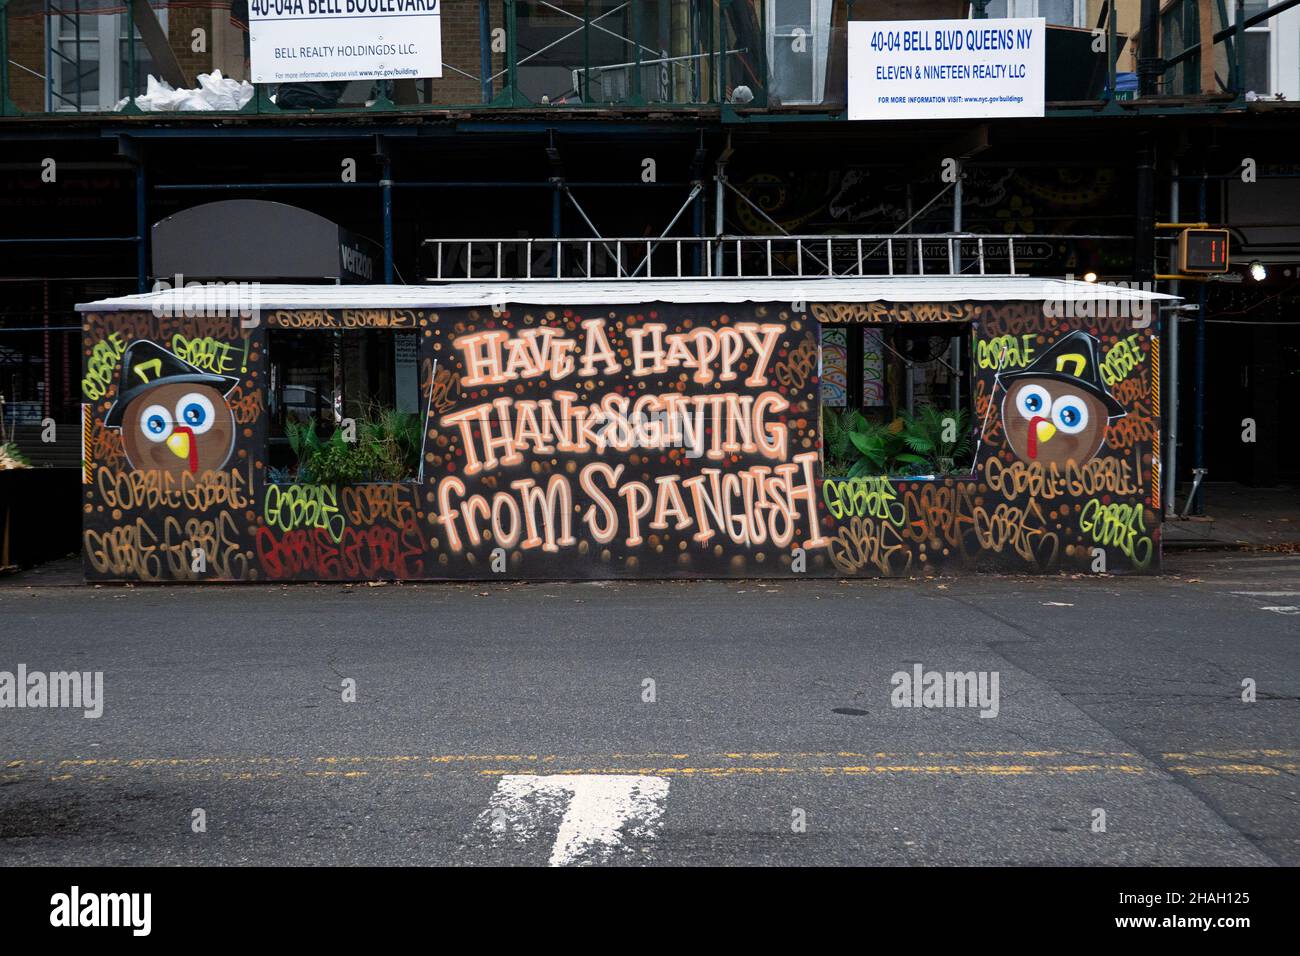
(896, 400)
(343, 406)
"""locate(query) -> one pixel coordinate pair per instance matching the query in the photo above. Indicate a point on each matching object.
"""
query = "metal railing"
(726, 257)
(554, 55)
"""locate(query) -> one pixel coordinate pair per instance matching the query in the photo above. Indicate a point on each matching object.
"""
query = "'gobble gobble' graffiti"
(658, 440)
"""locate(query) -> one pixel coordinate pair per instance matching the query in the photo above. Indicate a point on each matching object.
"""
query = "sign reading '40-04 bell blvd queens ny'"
(946, 69)
(304, 41)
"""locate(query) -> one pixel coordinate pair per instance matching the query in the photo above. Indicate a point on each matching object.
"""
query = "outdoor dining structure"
(884, 425)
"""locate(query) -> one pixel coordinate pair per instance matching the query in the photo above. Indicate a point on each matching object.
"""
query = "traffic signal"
(1203, 251)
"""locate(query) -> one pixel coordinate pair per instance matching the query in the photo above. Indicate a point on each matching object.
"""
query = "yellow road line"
(1271, 762)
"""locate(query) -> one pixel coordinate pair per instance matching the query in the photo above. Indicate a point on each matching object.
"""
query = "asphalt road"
(509, 723)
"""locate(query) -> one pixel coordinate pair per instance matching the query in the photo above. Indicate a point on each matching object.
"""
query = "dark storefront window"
(904, 391)
(344, 406)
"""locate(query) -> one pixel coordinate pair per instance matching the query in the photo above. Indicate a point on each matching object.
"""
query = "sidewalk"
(62, 572)
(1237, 516)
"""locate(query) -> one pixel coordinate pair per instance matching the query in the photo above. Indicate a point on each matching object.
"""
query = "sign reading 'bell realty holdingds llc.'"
(946, 69)
(312, 41)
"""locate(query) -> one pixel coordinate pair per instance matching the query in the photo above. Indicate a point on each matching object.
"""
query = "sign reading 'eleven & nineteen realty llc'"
(946, 69)
(304, 41)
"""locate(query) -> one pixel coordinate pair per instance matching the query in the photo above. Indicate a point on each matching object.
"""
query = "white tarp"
(214, 92)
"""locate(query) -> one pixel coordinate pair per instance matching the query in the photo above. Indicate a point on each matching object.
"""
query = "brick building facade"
(203, 36)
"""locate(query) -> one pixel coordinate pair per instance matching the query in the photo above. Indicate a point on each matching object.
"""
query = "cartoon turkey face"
(182, 427)
(1056, 410)
(173, 415)
(1052, 422)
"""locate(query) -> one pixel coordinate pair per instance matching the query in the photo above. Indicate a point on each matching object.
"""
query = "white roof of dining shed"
(910, 288)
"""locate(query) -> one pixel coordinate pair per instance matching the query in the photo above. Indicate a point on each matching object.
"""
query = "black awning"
(253, 239)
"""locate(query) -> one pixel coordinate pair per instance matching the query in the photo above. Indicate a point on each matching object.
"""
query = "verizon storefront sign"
(946, 69)
(306, 41)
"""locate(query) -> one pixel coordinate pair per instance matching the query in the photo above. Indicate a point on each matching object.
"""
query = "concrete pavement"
(771, 723)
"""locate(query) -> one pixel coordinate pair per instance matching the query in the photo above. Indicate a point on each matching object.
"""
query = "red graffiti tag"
(376, 552)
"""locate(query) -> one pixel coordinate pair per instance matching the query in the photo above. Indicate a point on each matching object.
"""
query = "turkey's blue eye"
(196, 412)
(156, 423)
(1070, 414)
(1033, 400)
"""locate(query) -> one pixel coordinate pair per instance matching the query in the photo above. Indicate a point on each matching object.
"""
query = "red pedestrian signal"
(1203, 251)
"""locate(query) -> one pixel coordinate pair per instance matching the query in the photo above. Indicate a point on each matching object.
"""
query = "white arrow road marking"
(594, 811)
(1282, 609)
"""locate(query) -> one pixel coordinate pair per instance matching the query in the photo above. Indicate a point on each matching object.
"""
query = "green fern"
(910, 445)
(939, 438)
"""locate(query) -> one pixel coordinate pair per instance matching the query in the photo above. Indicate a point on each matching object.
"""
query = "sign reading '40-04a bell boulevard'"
(305, 41)
(946, 69)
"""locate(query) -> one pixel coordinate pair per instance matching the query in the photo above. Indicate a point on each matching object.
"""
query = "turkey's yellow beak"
(179, 443)
(1045, 431)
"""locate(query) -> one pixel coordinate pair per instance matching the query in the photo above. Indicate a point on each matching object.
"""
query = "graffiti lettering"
(794, 371)
(378, 552)
(343, 318)
(1021, 529)
(101, 365)
(288, 507)
(873, 497)
(891, 312)
(866, 542)
(1123, 357)
(151, 490)
(209, 354)
(1118, 525)
(377, 504)
(216, 537)
(1049, 481)
(127, 551)
(246, 408)
(1004, 352)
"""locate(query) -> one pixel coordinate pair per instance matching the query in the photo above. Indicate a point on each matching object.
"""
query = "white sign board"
(315, 41)
(406, 380)
(946, 69)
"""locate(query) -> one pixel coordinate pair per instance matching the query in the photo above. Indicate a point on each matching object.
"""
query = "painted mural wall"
(656, 440)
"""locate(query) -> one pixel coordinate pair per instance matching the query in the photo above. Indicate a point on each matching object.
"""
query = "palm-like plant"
(396, 437)
(930, 440)
(11, 458)
(839, 450)
(387, 448)
(879, 447)
(857, 447)
(939, 436)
